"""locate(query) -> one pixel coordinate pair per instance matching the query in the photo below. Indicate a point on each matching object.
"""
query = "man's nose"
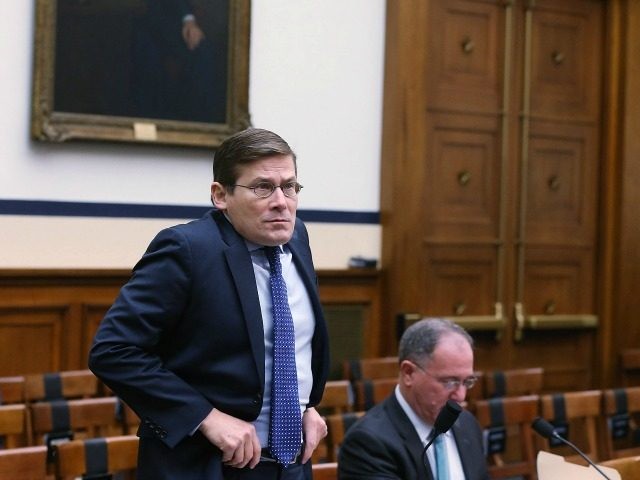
(459, 393)
(278, 196)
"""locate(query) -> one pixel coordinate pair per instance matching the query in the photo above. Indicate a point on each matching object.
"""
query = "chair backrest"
(370, 368)
(507, 423)
(26, 463)
(325, 471)
(370, 392)
(80, 418)
(337, 397)
(15, 429)
(627, 467)
(96, 456)
(630, 366)
(580, 412)
(129, 419)
(61, 385)
(621, 408)
(12, 390)
(337, 426)
(513, 382)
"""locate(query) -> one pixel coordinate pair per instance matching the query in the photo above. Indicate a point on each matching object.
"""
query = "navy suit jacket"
(384, 445)
(185, 335)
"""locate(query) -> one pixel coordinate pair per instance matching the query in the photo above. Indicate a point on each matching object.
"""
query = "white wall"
(315, 78)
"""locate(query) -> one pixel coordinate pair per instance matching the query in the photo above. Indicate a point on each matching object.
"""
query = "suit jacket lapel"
(304, 265)
(405, 429)
(464, 445)
(241, 268)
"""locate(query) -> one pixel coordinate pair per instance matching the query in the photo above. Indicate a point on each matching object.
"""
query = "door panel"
(463, 58)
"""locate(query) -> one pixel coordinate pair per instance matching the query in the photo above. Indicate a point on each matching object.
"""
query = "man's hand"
(236, 438)
(315, 429)
(192, 34)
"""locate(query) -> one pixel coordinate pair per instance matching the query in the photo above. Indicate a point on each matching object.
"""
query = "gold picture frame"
(99, 72)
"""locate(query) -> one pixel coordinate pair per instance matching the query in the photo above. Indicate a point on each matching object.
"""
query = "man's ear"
(219, 195)
(407, 369)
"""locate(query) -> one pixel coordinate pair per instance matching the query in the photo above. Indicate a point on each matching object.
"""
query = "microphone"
(444, 421)
(546, 430)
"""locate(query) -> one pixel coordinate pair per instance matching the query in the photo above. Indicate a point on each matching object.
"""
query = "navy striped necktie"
(285, 430)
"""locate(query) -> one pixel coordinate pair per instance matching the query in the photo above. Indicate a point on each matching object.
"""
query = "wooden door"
(491, 161)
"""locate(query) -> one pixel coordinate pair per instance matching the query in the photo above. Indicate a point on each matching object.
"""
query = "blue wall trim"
(136, 210)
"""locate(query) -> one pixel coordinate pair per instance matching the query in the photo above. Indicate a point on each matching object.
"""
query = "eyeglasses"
(266, 189)
(452, 383)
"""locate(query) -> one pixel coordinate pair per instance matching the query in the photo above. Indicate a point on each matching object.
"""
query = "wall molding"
(139, 210)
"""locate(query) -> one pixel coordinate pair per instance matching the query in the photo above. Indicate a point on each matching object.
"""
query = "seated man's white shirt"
(423, 429)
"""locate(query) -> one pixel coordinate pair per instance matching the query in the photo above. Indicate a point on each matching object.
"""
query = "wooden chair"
(26, 463)
(581, 411)
(621, 408)
(370, 368)
(128, 418)
(337, 397)
(515, 382)
(15, 428)
(325, 471)
(97, 456)
(337, 426)
(80, 418)
(630, 366)
(61, 385)
(507, 422)
(12, 390)
(370, 392)
(627, 467)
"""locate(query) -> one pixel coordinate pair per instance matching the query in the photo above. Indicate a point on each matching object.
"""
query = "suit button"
(163, 434)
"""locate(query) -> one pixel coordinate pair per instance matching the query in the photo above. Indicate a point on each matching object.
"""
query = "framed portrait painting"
(172, 72)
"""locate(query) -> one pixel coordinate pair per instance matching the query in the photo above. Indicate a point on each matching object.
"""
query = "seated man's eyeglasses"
(452, 383)
(266, 189)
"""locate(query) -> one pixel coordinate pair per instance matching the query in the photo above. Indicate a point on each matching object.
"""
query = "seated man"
(436, 364)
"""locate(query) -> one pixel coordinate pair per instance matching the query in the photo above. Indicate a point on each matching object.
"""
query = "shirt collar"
(423, 429)
(255, 247)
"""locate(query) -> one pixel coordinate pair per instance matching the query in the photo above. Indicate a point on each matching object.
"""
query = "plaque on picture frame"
(172, 72)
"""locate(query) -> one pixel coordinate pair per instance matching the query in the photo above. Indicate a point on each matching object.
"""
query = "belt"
(266, 457)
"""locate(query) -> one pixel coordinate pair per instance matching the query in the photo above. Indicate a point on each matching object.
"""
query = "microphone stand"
(587, 459)
(546, 430)
(444, 421)
(425, 460)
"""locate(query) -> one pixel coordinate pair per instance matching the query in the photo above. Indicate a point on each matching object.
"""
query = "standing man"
(189, 343)
(436, 365)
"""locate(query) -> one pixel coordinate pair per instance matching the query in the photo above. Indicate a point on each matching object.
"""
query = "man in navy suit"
(188, 343)
(436, 365)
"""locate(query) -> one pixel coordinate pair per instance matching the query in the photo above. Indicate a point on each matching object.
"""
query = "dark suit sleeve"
(125, 353)
(364, 455)
(468, 435)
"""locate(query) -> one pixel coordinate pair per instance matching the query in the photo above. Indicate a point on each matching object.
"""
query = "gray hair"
(419, 341)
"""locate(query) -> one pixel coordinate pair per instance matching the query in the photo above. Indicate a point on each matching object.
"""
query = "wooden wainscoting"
(351, 300)
(48, 317)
